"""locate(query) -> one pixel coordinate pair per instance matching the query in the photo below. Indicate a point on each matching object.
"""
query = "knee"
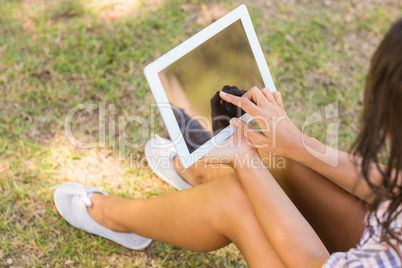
(232, 193)
(229, 202)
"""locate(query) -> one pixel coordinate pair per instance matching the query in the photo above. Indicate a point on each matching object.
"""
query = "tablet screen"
(193, 80)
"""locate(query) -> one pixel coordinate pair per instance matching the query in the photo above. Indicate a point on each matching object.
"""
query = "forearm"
(339, 167)
(285, 139)
(289, 233)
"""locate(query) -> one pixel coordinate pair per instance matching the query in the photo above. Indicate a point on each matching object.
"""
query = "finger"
(268, 94)
(256, 96)
(248, 106)
(243, 102)
(234, 91)
(228, 106)
(226, 89)
(216, 100)
(278, 98)
(258, 139)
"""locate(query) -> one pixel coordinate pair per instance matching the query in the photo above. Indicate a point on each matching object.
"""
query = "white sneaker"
(159, 153)
(72, 200)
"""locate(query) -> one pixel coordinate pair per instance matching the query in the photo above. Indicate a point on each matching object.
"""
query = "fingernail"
(222, 93)
(234, 122)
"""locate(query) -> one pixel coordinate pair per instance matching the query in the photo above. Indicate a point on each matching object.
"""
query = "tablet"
(184, 80)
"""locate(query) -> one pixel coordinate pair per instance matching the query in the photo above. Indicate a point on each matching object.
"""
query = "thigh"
(202, 218)
(335, 214)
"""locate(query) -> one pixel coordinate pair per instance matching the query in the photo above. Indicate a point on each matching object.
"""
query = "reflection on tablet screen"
(193, 80)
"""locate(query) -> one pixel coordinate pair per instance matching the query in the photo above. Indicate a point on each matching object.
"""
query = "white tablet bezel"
(152, 70)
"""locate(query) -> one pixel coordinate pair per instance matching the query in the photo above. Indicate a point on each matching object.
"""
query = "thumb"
(258, 139)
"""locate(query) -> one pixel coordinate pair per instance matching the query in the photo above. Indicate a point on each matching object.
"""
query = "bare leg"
(336, 215)
(203, 218)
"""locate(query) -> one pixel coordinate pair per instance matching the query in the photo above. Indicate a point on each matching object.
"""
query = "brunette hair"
(380, 138)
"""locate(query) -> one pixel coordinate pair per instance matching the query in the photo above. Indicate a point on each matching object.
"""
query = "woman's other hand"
(236, 151)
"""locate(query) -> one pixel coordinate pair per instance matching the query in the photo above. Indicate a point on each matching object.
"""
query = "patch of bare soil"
(103, 166)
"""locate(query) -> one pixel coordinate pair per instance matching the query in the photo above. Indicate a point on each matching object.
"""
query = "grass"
(55, 55)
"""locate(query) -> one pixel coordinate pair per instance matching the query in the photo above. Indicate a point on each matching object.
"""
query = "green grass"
(55, 55)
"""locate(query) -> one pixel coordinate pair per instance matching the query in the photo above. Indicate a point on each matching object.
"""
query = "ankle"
(100, 211)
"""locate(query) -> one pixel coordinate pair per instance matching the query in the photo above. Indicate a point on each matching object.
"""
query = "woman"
(327, 204)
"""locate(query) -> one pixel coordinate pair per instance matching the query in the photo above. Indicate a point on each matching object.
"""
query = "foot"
(98, 210)
(74, 201)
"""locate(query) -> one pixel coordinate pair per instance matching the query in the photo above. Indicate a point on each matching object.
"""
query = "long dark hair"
(380, 138)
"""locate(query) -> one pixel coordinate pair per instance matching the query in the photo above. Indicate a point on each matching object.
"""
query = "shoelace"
(80, 197)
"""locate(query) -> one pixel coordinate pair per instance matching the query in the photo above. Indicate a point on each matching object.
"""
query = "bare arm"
(279, 135)
(340, 167)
